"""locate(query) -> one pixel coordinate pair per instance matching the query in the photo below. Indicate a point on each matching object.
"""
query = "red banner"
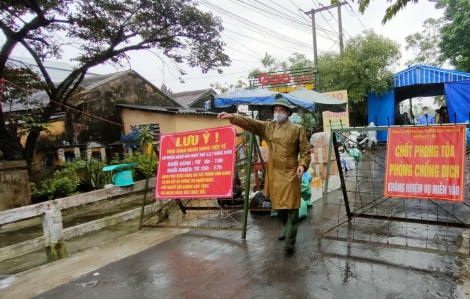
(196, 164)
(426, 162)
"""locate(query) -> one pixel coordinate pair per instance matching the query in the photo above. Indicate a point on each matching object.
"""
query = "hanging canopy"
(322, 101)
(254, 97)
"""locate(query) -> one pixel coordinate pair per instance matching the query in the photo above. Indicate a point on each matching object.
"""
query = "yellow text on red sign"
(426, 162)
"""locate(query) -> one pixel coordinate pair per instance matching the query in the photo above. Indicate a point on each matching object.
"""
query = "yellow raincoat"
(285, 142)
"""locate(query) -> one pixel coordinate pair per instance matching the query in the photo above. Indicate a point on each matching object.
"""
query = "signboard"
(285, 81)
(337, 118)
(196, 164)
(426, 162)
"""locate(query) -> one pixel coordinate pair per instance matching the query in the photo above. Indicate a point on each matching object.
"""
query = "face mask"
(280, 118)
(425, 112)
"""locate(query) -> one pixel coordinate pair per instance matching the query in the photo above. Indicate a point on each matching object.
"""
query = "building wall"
(191, 122)
(132, 117)
(14, 185)
(170, 123)
(55, 129)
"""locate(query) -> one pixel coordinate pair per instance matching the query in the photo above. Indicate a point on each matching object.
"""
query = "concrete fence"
(54, 233)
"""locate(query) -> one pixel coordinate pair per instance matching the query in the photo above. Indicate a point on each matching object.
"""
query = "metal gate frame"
(333, 144)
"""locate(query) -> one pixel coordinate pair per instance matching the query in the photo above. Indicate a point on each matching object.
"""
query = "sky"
(246, 47)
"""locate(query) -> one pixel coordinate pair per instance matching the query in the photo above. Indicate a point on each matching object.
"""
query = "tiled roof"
(166, 110)
(187, 98)
(41, 99)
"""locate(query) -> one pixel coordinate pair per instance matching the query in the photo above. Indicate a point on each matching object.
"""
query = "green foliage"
(455, 43)
(425, 44)
(30, 123)
(440, 101)
(147, 166)
(94, 174)
(309, 120)
(390, 12)
(364, 67)
(64, 182)
(272, 64)
(223, 88)
(144, 136)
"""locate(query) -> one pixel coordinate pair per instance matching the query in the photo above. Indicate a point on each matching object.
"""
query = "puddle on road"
(6, 280)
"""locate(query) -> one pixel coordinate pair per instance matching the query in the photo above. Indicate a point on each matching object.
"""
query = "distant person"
(425, 118)
(289, 158)
(442, 115)
(405, 120)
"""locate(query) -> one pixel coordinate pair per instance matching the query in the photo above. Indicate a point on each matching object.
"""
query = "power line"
(243, 46)
(344, 30)
(266, 32)
(274, 44)
(287, 20)
(243, 52)
(203, 77)
(357, 16)
(307, 23)
(252, 61)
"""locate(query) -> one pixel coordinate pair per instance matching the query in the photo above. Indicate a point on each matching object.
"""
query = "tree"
(390, 12)
(166, 89)
(363, 67)
(17, 85)
(425, 44)
(225, 87)
(105, 31)
(425, 47)
(455, 43)
(272, 64)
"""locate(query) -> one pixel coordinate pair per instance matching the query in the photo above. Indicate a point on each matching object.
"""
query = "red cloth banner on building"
(426, 162)
(196, 164)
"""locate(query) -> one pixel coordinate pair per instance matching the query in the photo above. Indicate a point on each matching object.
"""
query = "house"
(193, 98)
(94, 114)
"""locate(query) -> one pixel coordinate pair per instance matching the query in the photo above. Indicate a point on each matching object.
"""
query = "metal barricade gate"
(199, 213)
(360, 213)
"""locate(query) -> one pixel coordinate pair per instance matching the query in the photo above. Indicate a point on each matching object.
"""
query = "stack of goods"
(319, 152)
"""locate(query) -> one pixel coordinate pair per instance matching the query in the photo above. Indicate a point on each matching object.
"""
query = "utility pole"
(340, 29)
(314, 33)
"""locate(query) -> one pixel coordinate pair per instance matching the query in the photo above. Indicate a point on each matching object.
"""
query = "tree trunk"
(10, 145)
(30, 146)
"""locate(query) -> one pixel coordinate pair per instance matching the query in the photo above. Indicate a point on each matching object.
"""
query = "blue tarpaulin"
(422, 80)
(423, 74)
(458, 100)
(378, 109)
(257, 97)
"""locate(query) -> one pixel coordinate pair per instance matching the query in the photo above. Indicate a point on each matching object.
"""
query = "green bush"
(145, 167)
(95, 177)
(63, 183)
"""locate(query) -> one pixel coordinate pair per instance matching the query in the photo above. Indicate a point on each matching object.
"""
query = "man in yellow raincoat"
(285, 169)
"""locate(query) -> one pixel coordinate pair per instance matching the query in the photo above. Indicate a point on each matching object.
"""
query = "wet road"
(218, 264)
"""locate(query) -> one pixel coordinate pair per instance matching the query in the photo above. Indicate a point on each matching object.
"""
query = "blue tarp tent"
(421, 81)
(261, 97)
(460, 108)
